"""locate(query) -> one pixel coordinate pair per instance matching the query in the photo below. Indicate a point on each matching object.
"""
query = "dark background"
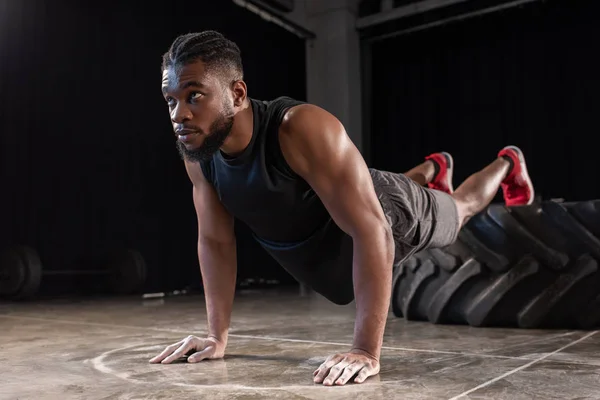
(87, 158)
(526, 76)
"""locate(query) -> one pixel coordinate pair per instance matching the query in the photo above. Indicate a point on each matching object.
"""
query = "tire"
(531, 266)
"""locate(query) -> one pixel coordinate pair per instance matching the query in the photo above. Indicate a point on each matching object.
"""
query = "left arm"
(317, 148)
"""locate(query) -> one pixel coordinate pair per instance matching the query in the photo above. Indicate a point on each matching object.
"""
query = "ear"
(239, 90)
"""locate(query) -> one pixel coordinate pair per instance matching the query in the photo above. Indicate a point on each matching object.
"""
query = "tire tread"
(526, 267)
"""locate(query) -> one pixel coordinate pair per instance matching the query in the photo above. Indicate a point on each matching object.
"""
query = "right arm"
(218, 266)
(216, 253)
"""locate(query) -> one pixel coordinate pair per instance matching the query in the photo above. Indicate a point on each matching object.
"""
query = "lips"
(187, 138)
(185, 135)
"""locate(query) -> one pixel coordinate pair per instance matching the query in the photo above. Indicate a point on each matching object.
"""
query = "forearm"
(218, 265)
(372, 270)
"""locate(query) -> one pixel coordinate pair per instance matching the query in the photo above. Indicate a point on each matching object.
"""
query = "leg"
(435, 172)
(419, 216)
(479, 189)
(424, 218)
(508, 171)
(422, 173)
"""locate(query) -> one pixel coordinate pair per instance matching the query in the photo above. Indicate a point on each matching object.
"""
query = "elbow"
(388, 240)
(217, 242)
(378, 235)
(383, 231)
(385, 238)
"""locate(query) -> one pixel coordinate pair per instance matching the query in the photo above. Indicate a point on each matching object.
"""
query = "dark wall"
(88, 160)
(526, 76)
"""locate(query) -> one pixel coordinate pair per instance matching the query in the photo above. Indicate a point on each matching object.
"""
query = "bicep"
(215, 223)
(345, 186)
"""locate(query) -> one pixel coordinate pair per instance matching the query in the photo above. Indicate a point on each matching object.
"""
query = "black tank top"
(284, 213)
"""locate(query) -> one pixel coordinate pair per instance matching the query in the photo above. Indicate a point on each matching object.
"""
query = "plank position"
(289, 170)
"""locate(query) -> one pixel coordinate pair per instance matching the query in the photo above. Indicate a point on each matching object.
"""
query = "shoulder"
(309, 119)
(309, 123)
(309, 136)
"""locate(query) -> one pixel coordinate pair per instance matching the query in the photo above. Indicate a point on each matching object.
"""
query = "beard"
(219, 132)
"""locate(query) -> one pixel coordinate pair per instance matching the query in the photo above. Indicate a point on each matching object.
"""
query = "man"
(289, 170)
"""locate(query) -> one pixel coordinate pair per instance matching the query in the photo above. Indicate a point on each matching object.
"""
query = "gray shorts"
(420, 217)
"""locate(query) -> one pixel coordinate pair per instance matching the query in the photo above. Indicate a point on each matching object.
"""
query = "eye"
(170, 100)
(195, 95)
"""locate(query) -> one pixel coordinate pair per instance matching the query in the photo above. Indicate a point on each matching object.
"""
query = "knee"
(464, 209)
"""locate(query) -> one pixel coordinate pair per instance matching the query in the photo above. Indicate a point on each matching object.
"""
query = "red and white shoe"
(517, 187)
(442, 180)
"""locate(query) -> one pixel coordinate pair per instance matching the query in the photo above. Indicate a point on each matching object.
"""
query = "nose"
(180, 113)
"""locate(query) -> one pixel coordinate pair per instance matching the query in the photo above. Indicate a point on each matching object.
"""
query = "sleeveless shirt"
(284, 213)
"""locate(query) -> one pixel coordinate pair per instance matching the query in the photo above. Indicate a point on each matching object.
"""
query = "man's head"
(202, 82)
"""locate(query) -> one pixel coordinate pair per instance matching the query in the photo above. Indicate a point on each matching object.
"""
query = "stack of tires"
(531, 266)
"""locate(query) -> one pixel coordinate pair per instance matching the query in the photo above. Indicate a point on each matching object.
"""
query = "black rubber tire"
(532, 266)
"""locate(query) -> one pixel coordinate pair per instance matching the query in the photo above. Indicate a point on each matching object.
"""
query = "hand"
(209, 348)
(340, 368)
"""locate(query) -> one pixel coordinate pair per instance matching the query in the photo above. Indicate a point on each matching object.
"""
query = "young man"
(289, 170)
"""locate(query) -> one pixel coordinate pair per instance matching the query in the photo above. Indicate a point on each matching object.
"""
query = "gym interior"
(99, 268)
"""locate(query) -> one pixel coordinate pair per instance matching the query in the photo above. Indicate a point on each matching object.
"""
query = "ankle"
(435, 166)
(510, 163)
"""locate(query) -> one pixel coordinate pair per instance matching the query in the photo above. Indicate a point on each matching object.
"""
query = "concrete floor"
(99, 349)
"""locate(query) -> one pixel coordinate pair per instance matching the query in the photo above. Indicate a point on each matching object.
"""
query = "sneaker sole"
(524, 169)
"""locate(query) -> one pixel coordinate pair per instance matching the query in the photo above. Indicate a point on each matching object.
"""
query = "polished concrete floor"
(99, 349)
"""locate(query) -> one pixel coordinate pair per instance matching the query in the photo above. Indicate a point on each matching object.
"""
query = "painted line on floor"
(522, 367)
(430, 351)
(537, 340)
(455, 353)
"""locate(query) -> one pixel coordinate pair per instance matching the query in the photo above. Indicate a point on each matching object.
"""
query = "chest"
(260, 189)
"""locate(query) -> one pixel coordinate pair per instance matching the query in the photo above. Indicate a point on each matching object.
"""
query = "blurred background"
(88, 164)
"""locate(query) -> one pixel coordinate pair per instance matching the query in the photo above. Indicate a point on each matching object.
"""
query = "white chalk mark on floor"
(233, 335)
(100, 364)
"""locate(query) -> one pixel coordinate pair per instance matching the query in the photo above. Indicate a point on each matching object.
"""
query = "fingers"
(340, 368)
(335, 372)
(201, 355)
(168, 350)
(364, 373)
(349, 372)
(323, 370)
(180, 352)
(201, 349)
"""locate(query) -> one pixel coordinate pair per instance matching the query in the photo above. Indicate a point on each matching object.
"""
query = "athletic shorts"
(420, 217)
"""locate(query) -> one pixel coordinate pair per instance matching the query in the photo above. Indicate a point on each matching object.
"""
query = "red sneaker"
(442, 179)
(517, 187)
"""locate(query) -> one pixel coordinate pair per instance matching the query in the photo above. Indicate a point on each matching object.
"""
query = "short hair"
(216, 51)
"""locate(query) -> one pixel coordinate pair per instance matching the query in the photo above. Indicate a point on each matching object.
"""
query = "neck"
(241, 132)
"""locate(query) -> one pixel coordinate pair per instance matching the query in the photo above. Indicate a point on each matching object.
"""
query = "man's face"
(201, 110)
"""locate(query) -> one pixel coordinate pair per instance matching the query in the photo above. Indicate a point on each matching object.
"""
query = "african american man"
(289, 170)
